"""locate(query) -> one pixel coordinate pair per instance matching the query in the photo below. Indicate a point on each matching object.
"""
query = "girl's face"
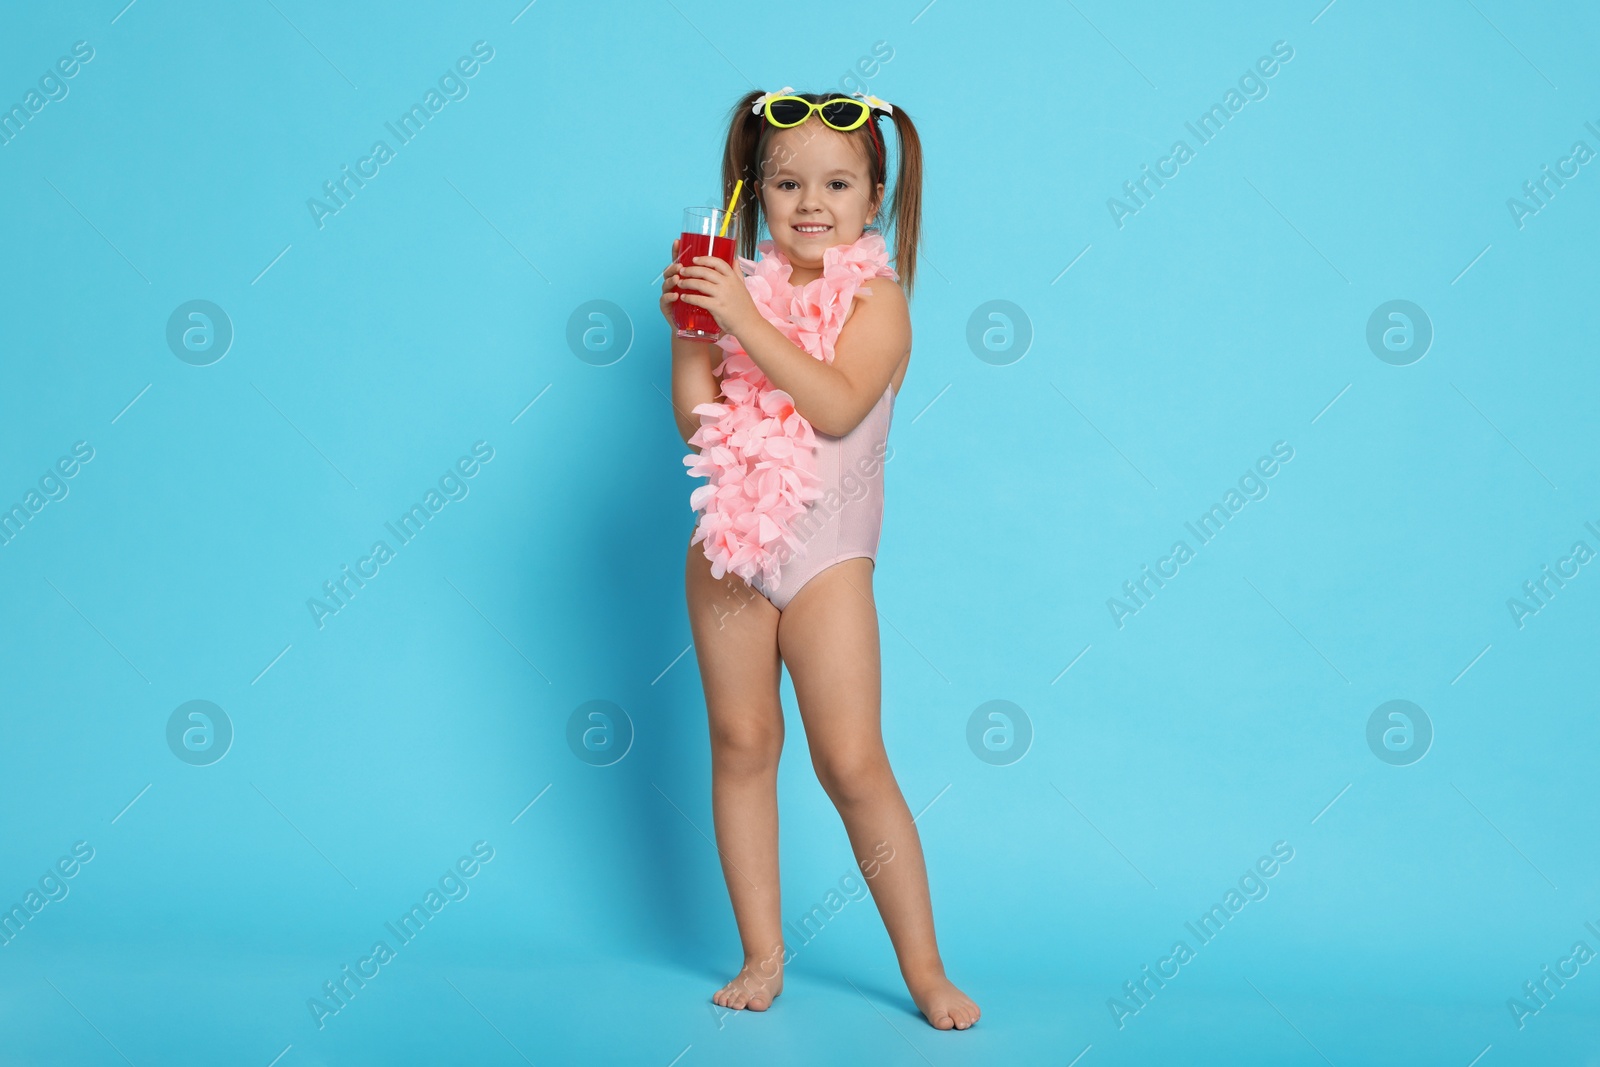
(816, 194)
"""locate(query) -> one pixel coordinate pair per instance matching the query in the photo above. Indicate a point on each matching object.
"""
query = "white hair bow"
(873, 101)
(755, 109)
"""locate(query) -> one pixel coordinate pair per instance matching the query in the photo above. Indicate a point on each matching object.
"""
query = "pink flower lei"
(756, 450)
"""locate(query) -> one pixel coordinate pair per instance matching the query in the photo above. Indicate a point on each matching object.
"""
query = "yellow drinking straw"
(733, 202)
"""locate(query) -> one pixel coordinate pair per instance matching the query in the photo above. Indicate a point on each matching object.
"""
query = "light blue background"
(1228, 314)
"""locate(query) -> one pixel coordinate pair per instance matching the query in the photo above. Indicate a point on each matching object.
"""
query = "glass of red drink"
(701, 227)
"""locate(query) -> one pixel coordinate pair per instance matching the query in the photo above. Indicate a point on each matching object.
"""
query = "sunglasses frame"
(816, 107)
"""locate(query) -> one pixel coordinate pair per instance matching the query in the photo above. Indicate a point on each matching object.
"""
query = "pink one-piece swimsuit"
(845, 522)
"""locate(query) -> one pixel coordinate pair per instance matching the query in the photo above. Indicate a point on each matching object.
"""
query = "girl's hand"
(669, 285)
(713, 284)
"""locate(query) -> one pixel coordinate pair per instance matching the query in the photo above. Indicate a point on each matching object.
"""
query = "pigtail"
(741, 160)
(906, 211)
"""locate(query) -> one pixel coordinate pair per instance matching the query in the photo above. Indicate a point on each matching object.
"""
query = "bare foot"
(749, 989)
(945, 1006)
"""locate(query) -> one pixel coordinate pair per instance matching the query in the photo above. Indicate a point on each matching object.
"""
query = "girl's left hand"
(713, 284)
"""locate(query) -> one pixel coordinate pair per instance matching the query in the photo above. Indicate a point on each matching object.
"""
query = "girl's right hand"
(669, 285)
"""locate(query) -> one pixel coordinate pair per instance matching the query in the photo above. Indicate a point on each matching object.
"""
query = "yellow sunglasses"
(843, 113)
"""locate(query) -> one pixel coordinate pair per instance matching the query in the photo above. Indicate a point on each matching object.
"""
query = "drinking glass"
(701, 227)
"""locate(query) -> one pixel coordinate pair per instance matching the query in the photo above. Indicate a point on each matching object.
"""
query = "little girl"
(793, 423)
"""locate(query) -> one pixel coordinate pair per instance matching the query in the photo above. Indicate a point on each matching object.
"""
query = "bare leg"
(735, 640)
(828, 637)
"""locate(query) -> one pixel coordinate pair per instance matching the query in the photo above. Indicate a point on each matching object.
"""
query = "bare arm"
(835, 397)
(692, 380)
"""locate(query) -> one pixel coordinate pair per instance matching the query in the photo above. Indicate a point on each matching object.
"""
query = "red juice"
(688, 317)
